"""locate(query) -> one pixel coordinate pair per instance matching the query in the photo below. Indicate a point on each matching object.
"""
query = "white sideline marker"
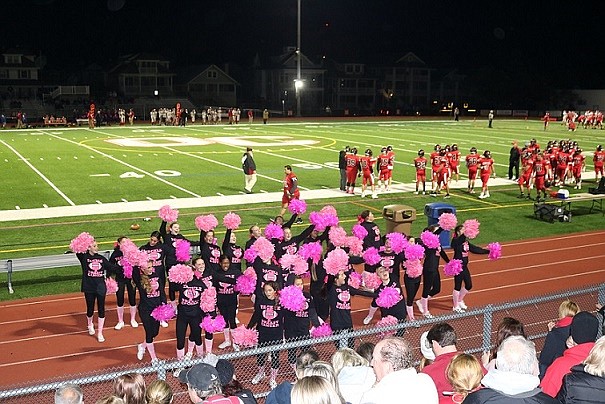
(44, 205)
(173, 197)
(124, 200)
(99, 202)
(148, 198)
(219, 194)
(17, 207)
(100, 175)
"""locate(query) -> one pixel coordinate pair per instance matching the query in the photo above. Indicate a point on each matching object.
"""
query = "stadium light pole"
(298, 83)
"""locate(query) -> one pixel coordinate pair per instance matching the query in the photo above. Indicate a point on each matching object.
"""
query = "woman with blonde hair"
(586, 382)
(130, 388)
(315, 390)
(464, 374)
(558, 332)
(158, 392)
(354, 374)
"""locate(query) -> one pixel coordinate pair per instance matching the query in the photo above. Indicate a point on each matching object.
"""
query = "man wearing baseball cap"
(204, 385)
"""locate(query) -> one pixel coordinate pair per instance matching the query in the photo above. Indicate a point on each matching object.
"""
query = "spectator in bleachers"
(203, 384)
(558, 332)
(366, 350)
(584, 329)
(442, 339)
(464, 374)
(111, 399)
(515, 379)
(426, 349)
(130, 387)
(229, 383)
(158, 392)
(507, 327)
(355, 376)
(326, 371)
(69, 394)
(393, 365)
(586, 382)
(282, 393)
(314, 390)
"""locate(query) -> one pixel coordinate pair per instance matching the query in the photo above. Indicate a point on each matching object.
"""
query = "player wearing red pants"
(352, 166)
(420, 165)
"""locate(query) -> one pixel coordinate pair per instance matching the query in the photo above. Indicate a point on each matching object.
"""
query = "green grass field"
(63, 167)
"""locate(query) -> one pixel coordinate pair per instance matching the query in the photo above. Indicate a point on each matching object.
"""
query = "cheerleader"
(156, 253)
(266, 271)
(289, 245)
(430, 274)
(296, 323)
(399, 309)
(169, 237)
(123, 284)
(339, 300)
(461, 248)
(227, 297)
(95, 268)
(151, 295)
(269, 322)
(391, 261)
(209, 251)
(318, 289)
(235, 254)
(207, 278)
(372, 239)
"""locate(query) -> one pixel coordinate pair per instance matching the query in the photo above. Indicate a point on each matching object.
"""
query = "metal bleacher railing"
(475, 330)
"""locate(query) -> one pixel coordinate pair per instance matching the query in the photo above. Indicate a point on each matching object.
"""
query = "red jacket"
(551, 383)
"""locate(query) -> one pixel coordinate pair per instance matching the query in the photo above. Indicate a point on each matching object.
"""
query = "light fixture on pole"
(298, 82)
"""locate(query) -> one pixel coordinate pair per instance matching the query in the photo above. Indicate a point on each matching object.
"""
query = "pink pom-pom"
(250, 273)
(323, 330)
(163, 312)
(398, 242)
(495, 251)
(388, 297)
(208, 300)
(292, 298)
(180, 273)
(371, 256)
(111, 285)
(429, 239)
(371, 280)
(264, 248)
(81, 243)
(337, 236)
(413, 268)
(453, 268)
(330, 220)
(448, 221)
(355, 245)
(127, 268)
(167, 214)
(317, 219)
(471, 228)
(337, 260)
(128, 248)
(183, 248)
(245, 284)
(295, 263)
(213, 325)
(297, 206)
(274, 231)
(355, 280)
(329, 210)
(311, 251)
(414, 252)
(139, 258)
(250, 254)
(359, 231)
(231, 221)
(387, 322)
(244, 337)
(206, 222)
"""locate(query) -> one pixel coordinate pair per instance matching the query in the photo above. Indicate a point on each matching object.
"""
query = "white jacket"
(404, 385)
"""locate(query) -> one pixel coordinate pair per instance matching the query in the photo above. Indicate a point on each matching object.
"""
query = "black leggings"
(464, 276)
(90, 304)
(262, 358)
(350, 341)
(432, 283)
(411, 288)
(228, 311)
(150, 324)
(172, 288)
(126, 284)
(195, 333)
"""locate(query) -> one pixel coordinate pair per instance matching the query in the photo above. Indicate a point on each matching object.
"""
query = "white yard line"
(49, 182)
(127, 164)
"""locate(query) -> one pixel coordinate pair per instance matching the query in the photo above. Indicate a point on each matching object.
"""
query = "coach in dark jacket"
(249, 167)
(513, 161)
(342, 166)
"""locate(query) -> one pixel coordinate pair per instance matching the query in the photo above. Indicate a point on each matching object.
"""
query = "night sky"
(561, 44)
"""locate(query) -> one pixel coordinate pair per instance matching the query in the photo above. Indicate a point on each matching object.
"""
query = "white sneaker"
(374, 196)
(119, 326)
(482, 196)
(224, 344)
(236, 320)
(236, 347)
(416, 193)
(367, 320)
(259, 376)
(155, 361)
(487, 195)
(91, 330)
(419, 305)
(134, 324)
(100, 338)
(272, 384)
(462, 305)
(428, 315)
(164, 324)
(423, 192)
(140, 352)
(458, 309)
(363, 194)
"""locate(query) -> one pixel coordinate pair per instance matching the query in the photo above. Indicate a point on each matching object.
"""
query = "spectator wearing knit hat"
(584, 329)
(231, 386)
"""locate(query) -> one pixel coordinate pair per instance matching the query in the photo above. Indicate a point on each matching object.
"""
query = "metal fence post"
(601, 294)
(487, 327)
(9, 272)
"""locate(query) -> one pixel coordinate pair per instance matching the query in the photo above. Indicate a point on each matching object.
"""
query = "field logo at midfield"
(237, 141)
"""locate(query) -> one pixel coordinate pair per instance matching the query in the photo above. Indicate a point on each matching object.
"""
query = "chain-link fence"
(475, 330)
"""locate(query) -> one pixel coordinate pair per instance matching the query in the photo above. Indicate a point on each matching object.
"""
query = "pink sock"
(133, 313)
(208, 345)
(372, 311)
(180, 353)
(424, 302)
(273, 373)
(89, 320)
(190, 346)
(101, 323)
(410, 310)
(463, 292)
(120, 311)
(151, 350)
(226, 334)
(200, 350)
(455, 297)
